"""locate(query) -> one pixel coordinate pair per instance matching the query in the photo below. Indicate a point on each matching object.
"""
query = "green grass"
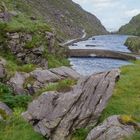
(125, 100)
(126, 97)
(7, 96)
(80, 134)
(57, 61)
(23, 23)
(16, 128)
(60, 86)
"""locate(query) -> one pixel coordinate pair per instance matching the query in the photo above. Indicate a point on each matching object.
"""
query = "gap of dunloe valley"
(69, 70)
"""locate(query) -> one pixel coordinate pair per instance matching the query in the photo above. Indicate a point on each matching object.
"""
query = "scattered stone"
(111, 129)
(66, 72)
(58, 115)
(44, 76)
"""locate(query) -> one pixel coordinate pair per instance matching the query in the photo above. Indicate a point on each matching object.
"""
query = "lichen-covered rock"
(57, 115)
(111, 129)
(18, 81)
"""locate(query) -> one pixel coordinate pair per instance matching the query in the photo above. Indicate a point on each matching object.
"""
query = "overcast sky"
(112, 13)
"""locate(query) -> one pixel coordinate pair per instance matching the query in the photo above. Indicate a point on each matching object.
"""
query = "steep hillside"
(67, 17)
(132, 28)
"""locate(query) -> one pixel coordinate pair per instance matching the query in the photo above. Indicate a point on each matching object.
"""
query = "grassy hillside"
(68, 18)
(132, 28)
(133, 44)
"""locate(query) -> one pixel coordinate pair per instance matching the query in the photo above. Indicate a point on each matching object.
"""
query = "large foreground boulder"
(58, 115)
(111, 129)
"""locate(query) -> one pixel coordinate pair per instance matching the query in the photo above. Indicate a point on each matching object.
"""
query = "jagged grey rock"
(111, 129)
(45, 76)
(5, 108)
(18, 81)
(57, 115)
(41, 78)
(66, 72)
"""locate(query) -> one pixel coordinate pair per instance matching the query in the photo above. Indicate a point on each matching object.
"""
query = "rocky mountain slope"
(132, 28)
(67, 17)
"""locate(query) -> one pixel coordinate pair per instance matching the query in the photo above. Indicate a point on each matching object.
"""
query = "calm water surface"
(87, 66)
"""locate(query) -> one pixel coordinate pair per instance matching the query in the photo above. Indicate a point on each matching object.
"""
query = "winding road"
(73, 40)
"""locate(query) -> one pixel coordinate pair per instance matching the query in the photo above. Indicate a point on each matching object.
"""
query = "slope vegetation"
(65, 16)
(132, 28)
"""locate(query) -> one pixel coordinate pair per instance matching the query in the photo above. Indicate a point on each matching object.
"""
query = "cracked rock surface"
(111, 129)
(57, 115)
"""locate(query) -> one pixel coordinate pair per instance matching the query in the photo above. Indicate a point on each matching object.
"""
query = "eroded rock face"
(57, 115)
(111, 129)
(17, 43)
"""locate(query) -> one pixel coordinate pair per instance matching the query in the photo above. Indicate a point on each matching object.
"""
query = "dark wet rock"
(58, 115)
(111, 129)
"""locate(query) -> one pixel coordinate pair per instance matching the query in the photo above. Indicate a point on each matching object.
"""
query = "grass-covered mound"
(133, 44)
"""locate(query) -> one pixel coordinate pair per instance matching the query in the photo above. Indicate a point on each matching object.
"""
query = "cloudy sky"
(112, 13)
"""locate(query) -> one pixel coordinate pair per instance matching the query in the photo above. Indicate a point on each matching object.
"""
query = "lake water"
(87, 66)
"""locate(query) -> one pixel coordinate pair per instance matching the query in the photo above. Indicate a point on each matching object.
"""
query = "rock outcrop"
(58, 115)
(18, 45)
(17, 82)
(111, 129)
(40, 78)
